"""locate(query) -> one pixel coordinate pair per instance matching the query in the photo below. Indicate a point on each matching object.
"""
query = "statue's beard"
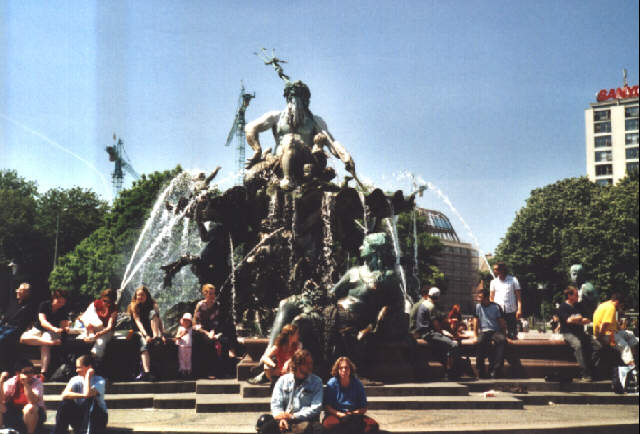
(295, 113)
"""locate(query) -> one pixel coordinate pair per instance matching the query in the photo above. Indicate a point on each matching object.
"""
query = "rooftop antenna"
(624, 77)
(237, 130)
(120, 159)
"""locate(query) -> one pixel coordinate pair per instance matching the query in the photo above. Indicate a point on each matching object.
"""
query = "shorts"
(35, 332)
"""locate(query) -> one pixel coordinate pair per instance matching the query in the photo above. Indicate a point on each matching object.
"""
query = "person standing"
(572, 329)
(83, 406)
(505, 291)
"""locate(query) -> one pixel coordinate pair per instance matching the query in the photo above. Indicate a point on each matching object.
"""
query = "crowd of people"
(298, 397)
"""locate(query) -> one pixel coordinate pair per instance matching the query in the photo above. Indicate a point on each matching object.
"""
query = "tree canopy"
(31, 224)
(575, 221)
(98, 261)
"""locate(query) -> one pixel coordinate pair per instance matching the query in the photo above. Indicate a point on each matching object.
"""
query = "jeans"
(496, 357)
(584, 350)
(444, 346)
(512, 325)
(85, 418)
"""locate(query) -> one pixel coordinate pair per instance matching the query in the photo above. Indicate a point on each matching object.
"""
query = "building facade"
(458, 261)
(612, 135)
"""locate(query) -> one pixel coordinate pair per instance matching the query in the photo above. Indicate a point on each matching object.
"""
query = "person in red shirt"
(100, 329)
(22, 399)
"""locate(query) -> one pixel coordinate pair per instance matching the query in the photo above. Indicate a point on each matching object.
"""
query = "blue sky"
(484, 99)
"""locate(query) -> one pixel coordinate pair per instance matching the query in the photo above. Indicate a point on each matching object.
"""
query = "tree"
(66, 217)
(98, 261)
(429, 247)
(575, 221)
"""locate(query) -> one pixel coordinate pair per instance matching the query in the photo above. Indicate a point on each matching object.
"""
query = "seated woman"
(345, 401)
(146, 321)
(454, 318)
(212, 327)
(277, 358)
(52, 321)
(22, 399)
(100, 321)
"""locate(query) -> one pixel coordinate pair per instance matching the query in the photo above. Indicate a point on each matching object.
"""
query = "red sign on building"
(619, 93)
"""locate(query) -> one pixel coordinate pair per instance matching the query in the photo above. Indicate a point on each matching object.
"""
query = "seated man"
(572, 328)
(489, 325)
(297, 399)
(606, 330)
(83, 406)
(18, 316)
(52, 321)
(428, 326)
(22, 399)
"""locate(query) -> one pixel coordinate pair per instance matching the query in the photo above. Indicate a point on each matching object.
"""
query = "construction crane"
(120, 158)
(237, 130)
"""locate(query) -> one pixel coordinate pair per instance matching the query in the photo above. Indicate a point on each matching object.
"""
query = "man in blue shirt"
(83, 406)
(489, 325)
(297, 398)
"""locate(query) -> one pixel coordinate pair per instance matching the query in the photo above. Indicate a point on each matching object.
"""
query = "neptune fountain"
(283, 246)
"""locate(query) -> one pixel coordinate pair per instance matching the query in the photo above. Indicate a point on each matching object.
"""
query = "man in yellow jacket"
(607, 331)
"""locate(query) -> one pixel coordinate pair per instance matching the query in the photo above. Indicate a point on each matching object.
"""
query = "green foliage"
(30, 224)
(575, 221)
(428, 248)
(99, 261)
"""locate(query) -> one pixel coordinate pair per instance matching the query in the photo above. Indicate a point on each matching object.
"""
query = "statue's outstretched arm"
(335, 147)
(254, 128)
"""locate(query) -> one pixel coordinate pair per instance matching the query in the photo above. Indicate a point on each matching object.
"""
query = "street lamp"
(55, 248)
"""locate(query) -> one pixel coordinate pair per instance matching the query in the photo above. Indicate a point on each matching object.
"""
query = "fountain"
(276, 245)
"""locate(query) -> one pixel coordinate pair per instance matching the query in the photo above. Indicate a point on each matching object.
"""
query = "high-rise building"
(612, 134)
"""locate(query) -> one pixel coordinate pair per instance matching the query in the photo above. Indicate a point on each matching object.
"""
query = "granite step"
(224, 403)
(588, 398)
(536, 385)
(406, 389)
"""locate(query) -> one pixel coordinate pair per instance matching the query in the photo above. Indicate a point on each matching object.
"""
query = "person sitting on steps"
(145, 319)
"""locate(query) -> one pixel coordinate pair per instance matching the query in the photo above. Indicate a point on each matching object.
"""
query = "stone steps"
(217, 396)
(224, 404)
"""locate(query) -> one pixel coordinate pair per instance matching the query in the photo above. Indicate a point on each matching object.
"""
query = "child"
(183, 339)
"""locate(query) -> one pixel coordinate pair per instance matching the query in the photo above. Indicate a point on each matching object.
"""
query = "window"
(629, 124)
(603, 156)
(605, 181)
(603, 141)
(604, 169)
(605, 127)
(630, 153)
(602, 115)
(631, 139)
(630, 112)
(632, 167)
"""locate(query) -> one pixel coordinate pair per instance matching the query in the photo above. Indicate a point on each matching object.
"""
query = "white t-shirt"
(505, 293)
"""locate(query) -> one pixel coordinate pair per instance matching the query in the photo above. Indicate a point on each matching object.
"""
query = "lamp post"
(55, 248)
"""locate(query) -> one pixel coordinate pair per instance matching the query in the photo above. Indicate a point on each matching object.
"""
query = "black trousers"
(484, 350)
(85, 418)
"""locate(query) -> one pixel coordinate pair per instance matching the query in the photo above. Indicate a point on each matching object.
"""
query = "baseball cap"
(434, 292)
